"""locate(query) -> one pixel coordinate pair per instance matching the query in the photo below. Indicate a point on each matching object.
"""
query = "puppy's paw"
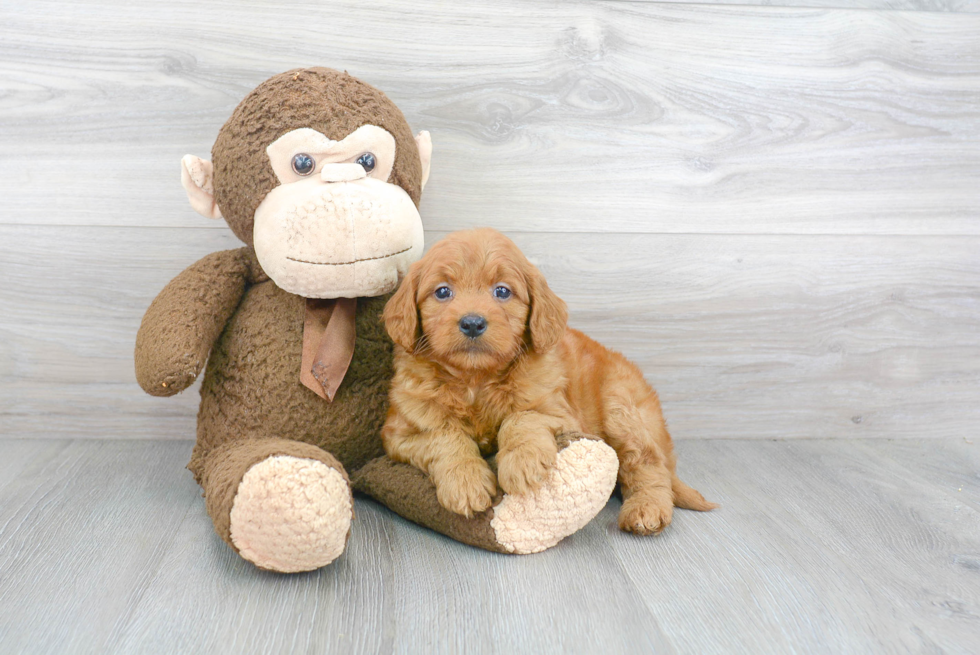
(522, 470)
(467, 487)
(645, 514)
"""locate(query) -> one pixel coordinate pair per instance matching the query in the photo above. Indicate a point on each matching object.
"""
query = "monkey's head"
(320, 174)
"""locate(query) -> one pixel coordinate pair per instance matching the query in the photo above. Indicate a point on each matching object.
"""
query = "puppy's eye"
(303, 164)
(367, 161)
(443, 293)
(501, 292)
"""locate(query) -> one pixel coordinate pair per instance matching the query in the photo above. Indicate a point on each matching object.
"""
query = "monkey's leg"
(577, 487)
(283, 505)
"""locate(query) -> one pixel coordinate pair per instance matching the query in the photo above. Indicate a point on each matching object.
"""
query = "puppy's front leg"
(464, 482)
(526, 451)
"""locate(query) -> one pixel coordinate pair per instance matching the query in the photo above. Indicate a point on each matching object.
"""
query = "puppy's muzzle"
(472, 325)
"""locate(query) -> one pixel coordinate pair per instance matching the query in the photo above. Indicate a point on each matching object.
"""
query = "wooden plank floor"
(821, 546)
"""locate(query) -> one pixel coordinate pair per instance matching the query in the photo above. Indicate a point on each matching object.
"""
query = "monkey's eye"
(500, 292)
(443, 293)
(303, 164)
(367, 161)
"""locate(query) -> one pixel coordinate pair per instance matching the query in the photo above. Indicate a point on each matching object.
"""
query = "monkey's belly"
(252, 386)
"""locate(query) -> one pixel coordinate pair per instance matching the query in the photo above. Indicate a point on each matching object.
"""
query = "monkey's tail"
(687, 498)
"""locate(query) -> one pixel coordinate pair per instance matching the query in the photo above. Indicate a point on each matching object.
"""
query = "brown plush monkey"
(319, 175)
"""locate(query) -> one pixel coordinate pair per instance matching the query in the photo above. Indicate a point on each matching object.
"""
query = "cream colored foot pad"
(579, 486)
(291, 514)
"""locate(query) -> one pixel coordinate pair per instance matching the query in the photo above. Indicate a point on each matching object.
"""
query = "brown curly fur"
(525, 380)
(331, 102)
(225, 311)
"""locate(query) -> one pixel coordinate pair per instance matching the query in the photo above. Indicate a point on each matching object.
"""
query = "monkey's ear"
(424, 142)
(401, 315)
(197, 178)
(549, 314)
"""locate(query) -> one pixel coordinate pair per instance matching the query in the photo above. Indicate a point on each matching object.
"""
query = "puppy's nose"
(472, 325)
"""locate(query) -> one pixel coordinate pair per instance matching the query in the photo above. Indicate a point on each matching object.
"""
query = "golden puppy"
(484, 362)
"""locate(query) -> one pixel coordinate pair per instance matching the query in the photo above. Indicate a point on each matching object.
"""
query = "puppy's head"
(474, 302)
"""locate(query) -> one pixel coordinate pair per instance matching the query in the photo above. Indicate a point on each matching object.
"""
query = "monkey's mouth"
(366, 259)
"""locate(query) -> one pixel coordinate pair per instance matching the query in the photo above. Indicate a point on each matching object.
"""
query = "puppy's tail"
(687, 498)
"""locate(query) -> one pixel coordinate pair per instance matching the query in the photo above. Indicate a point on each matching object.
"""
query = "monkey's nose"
(472, 325)
(342, 172)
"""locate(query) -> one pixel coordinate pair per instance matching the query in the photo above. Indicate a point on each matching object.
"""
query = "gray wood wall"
(775, 210)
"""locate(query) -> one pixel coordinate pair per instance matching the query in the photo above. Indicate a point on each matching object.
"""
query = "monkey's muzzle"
(352, 237)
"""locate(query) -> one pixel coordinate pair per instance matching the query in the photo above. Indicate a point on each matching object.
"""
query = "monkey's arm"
(186, 318)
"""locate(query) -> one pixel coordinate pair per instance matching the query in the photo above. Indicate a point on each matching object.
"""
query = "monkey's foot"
(576, 489)
(291, 514)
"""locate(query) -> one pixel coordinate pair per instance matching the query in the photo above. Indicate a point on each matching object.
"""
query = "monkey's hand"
(185, 319)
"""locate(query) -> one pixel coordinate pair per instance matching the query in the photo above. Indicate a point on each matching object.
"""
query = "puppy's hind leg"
(644, 477)
(648, 504)
(647, 466)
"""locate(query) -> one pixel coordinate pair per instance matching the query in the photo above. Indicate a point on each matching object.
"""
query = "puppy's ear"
(401, 315)
(549, 314)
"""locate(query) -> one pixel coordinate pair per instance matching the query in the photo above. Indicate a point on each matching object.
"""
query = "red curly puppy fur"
(485, 363)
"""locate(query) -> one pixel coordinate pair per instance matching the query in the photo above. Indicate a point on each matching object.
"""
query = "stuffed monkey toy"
(319, 175)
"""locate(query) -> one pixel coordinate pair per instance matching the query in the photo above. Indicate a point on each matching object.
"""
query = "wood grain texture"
(748, 336)
(83, 529)
(821, 546)
(571, 116)
(967, 6)
(952, 466)
(828, 548)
